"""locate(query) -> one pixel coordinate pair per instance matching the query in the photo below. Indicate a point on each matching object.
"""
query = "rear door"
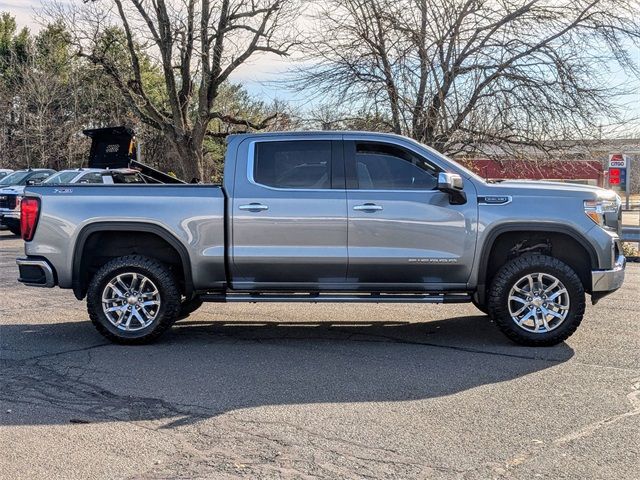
(403, 232)
(289, 208)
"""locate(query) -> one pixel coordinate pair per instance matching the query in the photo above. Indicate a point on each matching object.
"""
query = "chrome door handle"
(367, 207)
(254, 207)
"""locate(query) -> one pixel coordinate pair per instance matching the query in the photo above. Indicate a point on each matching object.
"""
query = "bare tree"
(463, 74)
(195, 45)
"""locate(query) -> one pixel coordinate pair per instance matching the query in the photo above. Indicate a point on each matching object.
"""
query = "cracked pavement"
(315, 391)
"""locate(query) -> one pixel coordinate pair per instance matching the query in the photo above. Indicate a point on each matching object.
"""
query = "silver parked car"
(4, 172)
(11, 188)
(10, 197)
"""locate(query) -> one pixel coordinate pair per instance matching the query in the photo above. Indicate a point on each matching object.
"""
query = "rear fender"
(80, 288)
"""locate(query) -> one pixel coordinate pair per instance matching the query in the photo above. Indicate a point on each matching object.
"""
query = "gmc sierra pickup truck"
(327, 217)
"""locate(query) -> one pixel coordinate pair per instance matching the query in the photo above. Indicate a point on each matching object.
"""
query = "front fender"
(489, 235)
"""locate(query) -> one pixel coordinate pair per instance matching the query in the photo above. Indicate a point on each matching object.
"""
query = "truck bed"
(192, 215)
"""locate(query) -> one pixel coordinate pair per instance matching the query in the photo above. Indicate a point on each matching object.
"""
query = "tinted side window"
(127, 178)
(296, 164)
(384, 167)
(91, 178)
(39, 177)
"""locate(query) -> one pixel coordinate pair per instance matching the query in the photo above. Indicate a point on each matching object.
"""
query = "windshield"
(62, 177)
(14, 178)
(446, 159)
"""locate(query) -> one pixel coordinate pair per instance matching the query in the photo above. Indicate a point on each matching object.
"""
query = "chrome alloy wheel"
(538, 303)
(131, 301)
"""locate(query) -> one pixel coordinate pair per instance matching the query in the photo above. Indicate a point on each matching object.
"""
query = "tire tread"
(502, 283)
(171, 300)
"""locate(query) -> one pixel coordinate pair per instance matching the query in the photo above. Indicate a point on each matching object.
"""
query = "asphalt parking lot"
(315, 391)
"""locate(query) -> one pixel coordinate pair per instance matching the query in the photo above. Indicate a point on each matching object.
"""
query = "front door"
(289, 227)
(403, 233)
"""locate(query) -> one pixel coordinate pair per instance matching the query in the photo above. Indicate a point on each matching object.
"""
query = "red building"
(576, 171)
(584, 161)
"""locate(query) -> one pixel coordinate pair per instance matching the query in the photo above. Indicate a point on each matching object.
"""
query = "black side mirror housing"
(452, 184)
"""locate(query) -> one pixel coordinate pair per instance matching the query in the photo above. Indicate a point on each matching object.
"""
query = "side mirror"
(452, 184)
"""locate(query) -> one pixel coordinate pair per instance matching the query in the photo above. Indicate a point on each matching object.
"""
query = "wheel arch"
(79, 266)
(521, 228)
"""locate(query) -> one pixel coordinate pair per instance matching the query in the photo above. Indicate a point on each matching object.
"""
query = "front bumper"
(10, 212)
(36, 272)
(604, 282)
(9, 217)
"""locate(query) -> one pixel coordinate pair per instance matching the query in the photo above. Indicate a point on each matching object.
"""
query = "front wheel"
(133, 299)
(537, 300)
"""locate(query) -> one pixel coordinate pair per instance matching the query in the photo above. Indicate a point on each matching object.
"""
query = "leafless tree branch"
(460, 73)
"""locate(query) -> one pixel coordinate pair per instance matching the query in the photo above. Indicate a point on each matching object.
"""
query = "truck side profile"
(327, 217)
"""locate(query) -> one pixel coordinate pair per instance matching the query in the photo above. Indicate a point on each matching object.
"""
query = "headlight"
(596, 209)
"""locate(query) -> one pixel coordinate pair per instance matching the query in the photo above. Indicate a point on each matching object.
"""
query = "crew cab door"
(403, 232)
(289, 214)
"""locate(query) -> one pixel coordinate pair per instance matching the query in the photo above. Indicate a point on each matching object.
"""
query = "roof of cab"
(315, 133)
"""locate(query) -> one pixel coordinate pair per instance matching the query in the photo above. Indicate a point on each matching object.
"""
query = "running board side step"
(336, 298)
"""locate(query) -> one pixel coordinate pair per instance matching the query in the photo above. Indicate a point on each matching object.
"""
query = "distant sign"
(617, 160)
(614, 176)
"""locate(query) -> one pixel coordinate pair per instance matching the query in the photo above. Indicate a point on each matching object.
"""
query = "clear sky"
(258, 75)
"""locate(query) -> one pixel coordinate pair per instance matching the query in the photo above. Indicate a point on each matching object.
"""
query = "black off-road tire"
(167, 287)
(15, 230)
(514, 270)
(187, 307)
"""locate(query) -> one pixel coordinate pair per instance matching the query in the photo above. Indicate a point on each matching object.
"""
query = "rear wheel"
(537, 300)
(133, 299)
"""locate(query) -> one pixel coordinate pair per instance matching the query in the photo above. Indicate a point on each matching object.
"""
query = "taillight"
(29, 211)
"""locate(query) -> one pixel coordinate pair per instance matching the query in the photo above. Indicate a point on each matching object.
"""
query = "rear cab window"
(298, 164)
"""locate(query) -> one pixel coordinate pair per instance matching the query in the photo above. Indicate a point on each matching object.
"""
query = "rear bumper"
(604, 282)
(36, 272)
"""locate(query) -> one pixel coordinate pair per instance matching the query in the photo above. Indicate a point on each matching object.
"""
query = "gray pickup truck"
(327, 217)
